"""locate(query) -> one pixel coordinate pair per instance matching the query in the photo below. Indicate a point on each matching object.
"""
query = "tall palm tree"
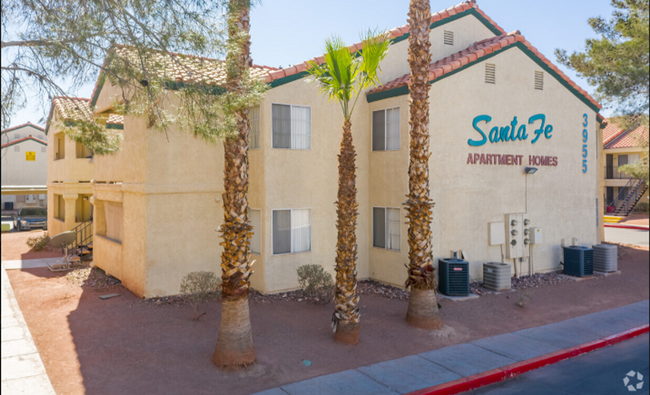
(423, 306)
(235, 341)
(343, 78)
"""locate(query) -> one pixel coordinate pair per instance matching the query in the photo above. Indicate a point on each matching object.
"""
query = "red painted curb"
(626, 227)
(509, 371)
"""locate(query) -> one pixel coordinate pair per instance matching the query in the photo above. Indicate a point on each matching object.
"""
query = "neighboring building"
(24, 167)
(158, 202)
(21, 131)
(621, 193)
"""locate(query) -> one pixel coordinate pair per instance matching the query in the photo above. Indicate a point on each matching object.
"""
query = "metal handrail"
(621, 196)
(84, 232)
(615, 173)
(633, 198)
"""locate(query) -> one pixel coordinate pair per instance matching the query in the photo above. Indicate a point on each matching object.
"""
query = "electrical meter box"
(536, 236)
(526, 225)
(514, 227)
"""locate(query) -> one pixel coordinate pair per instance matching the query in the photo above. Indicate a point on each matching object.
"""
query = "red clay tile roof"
(23, 139)
(22, 126)
(475, 52)
(611, 131)
(395, 33)
(72, 108)
(189, 68)
(115, 119)
(619, 138)
(176, 67)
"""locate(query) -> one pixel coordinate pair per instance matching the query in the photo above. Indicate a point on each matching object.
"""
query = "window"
(256, 126)
(83, 151)
(60, 146)
(291, 126)
(386, 227)
(449, 38)
(386, 129)
(31, 199)
(291, 231)
(490, 73)
(113, 212)
(16, 148)
(539, 80)
(255, 219)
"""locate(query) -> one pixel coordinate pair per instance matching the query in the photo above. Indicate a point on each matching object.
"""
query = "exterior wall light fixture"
(530, 170)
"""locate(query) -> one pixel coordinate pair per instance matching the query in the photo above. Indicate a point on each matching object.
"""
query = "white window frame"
(372, 129)
(311, 123)
(386, 234)
(311, 233)
(259, 128)
(257, 232)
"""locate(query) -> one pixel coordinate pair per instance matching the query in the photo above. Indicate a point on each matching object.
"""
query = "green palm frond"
(345, 74)
(374, 51)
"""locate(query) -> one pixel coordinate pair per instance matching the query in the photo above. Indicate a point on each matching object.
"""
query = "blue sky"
(287, 32)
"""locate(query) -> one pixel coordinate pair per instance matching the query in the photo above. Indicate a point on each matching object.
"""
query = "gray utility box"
(497, 276)
(605, 258)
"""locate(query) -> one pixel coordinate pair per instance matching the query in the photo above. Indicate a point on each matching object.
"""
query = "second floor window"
(291, 126)
(386, 130)
(256, 128)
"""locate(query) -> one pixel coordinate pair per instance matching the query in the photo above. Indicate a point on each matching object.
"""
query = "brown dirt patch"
(14, 247)
(124, 346)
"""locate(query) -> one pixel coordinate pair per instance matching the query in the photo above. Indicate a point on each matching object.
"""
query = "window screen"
(282, 231)
(386, 130)
(291, 126)
(386, 228)
(379, 130)
(379, 227)
(256, 128)
(291, 231)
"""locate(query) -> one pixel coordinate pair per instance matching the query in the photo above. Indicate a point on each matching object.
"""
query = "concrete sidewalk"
(30, 263)
(22, 369)
(404, 375)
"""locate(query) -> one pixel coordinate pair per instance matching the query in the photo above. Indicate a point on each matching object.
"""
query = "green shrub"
(200, 287)
(38, 243)
(316, 283)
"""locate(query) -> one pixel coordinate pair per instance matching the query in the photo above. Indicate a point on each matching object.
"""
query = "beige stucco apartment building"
(498, 106)
(70, 169)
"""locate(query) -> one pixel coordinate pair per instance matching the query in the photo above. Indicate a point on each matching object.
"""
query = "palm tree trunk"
(345, 320)
(235, 342)
(423, 306)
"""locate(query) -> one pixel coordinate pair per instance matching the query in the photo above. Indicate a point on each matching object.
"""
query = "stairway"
(625, 204)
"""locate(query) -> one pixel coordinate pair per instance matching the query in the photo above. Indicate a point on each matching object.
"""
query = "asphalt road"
(598, 373)
(627, 236)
